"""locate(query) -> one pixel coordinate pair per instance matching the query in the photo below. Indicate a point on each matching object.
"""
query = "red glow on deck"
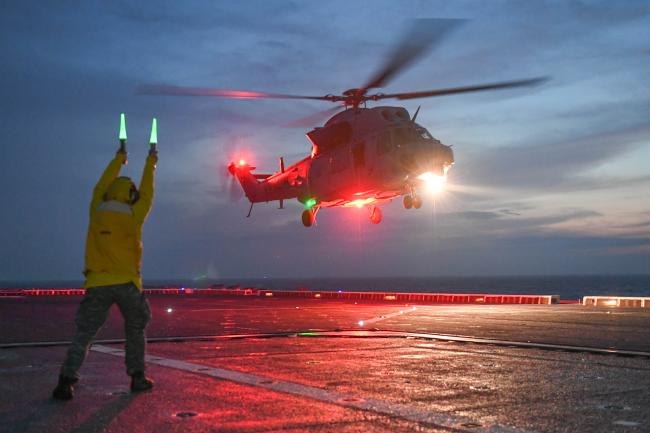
(305, 293)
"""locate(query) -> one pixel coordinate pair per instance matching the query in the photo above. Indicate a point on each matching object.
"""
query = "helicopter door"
(358, 154)
(319, 176)
(384, 144)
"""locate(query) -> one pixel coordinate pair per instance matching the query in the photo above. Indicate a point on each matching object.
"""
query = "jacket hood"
(119, 190)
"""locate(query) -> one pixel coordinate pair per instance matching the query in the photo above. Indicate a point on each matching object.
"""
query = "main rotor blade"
(312, 119)
(168, 90)
(422, 36)
(466, 89)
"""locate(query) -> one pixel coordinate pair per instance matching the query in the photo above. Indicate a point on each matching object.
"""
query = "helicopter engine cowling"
(329, 136)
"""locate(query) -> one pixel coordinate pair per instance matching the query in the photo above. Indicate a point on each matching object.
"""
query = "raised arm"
(109, 175)
(142, 207)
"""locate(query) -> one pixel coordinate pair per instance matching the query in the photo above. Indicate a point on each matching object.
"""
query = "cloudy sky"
(548, 180)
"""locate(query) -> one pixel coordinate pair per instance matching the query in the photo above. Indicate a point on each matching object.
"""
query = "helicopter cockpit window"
(383, 143)
(387, 115)
(423, 133)
(401, 136)
(402, 114)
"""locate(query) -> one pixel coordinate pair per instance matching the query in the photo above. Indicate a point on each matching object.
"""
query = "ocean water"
(568, 287)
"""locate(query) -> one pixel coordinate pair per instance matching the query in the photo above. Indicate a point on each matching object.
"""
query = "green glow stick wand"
(153, 139)
(122, 133)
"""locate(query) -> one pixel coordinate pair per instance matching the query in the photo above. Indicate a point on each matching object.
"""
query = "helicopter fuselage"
(360, 157)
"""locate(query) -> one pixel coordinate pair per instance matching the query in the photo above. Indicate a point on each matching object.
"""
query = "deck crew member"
(112, 270)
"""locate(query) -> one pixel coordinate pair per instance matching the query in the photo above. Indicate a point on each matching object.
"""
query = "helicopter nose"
(434, 159)
(450, 155)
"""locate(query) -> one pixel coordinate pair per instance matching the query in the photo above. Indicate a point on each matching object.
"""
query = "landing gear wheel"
(375, 215)
(417, 202)
(308, 218)
(408, 202)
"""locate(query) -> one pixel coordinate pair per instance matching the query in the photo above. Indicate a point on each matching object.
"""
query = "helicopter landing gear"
(375, 215)
(308, 217)
(412, 201)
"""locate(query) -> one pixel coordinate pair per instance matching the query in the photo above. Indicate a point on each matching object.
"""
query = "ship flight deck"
(252, 362)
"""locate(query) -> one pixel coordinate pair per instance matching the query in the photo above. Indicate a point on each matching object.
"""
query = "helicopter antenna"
(415, 116)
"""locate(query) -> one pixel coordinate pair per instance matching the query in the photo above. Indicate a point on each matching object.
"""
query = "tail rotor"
(231, 152)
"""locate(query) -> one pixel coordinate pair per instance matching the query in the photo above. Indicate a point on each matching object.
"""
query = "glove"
(122, 153)
(153, 153)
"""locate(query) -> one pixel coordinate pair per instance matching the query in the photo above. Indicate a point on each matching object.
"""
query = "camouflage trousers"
(91, 316)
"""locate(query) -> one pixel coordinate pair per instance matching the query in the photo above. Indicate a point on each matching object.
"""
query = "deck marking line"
(264, 308)
(354, 334)
(403, 411)
(528, 344)
(387, 316)
(207, 337)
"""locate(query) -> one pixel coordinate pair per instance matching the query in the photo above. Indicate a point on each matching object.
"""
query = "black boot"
(140, 382)
(63, 390)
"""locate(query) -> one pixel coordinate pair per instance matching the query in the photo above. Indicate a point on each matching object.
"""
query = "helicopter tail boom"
(248, 181)
(264, 187)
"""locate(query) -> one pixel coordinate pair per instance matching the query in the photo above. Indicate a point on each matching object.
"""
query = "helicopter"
(361, 157)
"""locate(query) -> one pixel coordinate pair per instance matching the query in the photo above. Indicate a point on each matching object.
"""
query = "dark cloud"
(509, 212)
(69, 69)
(639, 225)
(556, 165)
(475, 215)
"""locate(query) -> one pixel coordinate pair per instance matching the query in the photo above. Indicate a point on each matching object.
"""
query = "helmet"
(122, 189)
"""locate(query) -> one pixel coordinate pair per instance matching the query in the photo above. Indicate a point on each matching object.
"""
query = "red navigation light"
(242, 162)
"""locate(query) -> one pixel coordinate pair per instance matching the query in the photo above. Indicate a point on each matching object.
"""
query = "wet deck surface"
(309, 381)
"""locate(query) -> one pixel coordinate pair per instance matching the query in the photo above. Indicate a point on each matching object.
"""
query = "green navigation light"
(154, 132)
(122, 127)
(310, 203)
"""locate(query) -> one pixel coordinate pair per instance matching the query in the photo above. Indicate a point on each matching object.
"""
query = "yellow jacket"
(114, 241)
